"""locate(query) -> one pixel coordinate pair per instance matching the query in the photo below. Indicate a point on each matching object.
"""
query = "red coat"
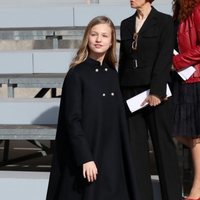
(188, 38)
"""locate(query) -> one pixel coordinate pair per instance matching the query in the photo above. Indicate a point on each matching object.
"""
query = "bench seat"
(36, 61)
(28, 118)
(27, 132)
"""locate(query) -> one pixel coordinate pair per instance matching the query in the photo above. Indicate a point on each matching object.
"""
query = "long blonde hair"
(83, 50)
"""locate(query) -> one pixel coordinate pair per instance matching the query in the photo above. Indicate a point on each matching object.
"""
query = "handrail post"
(92, 1)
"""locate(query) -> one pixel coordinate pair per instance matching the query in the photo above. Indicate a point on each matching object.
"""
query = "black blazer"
(154, 52)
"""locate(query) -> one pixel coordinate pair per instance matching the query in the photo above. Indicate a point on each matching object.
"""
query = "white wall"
(162, 5)
(52, 2)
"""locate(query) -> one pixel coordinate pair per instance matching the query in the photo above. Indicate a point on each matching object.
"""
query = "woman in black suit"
(145, 60)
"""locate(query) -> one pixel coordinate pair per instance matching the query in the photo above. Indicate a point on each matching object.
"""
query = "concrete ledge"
(36, 61)
(28, 119)
(29, 111)
(156, 187)
(39, 17)
(16, 62)
(33, 185)
(52, 61)
(23, 185)
(65, 15)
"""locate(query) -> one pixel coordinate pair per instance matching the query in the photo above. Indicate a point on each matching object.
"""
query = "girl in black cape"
(91, 159)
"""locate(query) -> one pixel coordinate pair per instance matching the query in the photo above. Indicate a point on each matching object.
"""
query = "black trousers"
(156, 123)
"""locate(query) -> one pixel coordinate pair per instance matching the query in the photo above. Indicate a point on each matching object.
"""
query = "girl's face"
(137, 4)
(99, 40)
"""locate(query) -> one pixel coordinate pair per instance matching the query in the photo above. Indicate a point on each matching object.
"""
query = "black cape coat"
(91, 127)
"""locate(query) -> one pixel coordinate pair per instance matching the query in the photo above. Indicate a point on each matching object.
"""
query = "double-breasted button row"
(111, 94)
(105, 69)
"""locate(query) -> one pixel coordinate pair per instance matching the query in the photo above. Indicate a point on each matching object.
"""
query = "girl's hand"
(90, 171)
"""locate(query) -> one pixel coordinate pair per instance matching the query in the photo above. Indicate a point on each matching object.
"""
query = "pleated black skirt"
(186, 109)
